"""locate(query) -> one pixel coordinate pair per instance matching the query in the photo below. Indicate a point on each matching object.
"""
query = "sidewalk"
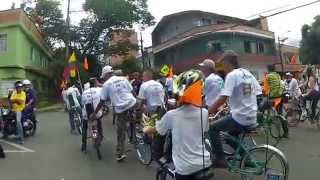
(55, 107)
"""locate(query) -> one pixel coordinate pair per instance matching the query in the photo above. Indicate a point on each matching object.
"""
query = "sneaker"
(84, 149)
(121, 157)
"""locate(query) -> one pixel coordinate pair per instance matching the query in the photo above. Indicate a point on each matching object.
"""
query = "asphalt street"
(54, 154)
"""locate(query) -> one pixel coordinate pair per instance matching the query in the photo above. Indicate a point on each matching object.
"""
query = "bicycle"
(306, 113)
(76, 117)
(247, 158)
(96, 139)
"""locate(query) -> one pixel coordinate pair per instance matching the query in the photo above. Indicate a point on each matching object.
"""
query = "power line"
(270, 10)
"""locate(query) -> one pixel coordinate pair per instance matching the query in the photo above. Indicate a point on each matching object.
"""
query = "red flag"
(293, 60)
(85, 64)
(66, 72)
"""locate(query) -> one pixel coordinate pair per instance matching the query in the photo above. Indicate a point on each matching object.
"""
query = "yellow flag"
(73, 58)
(72, 73)
(164, 71)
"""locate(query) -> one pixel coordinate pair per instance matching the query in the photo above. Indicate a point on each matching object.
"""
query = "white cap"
(86, 86)
(288, 74)
(106, 70)
(208, 63)
(26, 82)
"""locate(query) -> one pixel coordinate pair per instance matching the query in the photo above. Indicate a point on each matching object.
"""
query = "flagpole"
(79, 79)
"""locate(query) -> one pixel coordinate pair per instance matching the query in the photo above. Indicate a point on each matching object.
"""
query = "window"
(247, 47)
(260, 47)
(221, 22)
(3, 43)
(31, 54)
(253, 47)
(205, 21)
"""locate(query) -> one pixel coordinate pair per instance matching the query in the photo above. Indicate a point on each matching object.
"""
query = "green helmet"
(185, 80)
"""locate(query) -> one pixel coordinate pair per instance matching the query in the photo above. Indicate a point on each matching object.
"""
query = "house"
(23, 52)
(185, 39)
(117, 38)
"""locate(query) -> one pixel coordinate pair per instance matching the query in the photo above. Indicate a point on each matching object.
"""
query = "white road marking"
(21, 148)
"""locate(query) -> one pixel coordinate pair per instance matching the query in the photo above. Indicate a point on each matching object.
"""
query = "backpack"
(275, 84)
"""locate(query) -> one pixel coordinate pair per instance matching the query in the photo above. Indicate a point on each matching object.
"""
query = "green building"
(23, 52)
(187, 38)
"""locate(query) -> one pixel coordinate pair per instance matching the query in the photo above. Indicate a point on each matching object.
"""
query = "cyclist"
(273, 88)
(31, 99)
(213, 83)
(294, 92)
(90, 100)
(313, 89)
(188, 123)
(136, 83)
(241, 89)
(18, 104)
(152, 95)
(119, 91)
(73, 103)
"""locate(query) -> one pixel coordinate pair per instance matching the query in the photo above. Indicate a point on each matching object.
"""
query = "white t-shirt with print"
(91, 96)
(74, 93)
(169, 84)
(187, 146)
(212, 88)
(153, 92)
(242, 89)
(119, 90)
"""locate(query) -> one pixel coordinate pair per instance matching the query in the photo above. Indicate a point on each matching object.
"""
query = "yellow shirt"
(21, 96)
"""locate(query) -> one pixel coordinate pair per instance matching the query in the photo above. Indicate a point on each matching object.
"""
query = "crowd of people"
(198, 93)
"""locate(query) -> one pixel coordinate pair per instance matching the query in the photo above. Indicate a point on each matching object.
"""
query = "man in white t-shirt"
(213, 83)
(90, 100)
(152, 96)
(151, 93)
(119, 91)
(187, 124)
(241, 89)
(73, 97)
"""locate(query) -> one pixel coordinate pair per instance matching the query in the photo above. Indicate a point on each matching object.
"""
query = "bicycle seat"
(249, 129)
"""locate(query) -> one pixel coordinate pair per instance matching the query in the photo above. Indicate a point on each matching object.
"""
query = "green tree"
(129, 65)
(310, 43)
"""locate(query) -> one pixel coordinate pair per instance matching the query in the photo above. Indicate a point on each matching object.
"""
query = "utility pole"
(142, 51)
(68, 31)
(280, 54)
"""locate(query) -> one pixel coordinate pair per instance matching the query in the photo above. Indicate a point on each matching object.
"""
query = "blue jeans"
(227, 124)
(19, 125)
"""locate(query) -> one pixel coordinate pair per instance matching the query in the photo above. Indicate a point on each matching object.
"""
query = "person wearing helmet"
(119, 91)
(18, 104)
(31, 98)
(241, 89)
(188, 123)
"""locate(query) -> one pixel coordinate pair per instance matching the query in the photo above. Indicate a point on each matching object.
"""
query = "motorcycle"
(9, 123)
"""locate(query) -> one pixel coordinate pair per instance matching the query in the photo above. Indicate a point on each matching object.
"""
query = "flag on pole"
(85, 63)
(293, 60)
(170, 75)
(73, 69)
(73, 58)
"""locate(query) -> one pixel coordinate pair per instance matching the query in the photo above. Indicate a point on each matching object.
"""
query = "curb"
(50, 108)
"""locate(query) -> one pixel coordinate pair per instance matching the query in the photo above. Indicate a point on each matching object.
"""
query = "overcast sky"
(280, 24)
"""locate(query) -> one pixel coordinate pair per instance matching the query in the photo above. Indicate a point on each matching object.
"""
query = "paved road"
(54, 154)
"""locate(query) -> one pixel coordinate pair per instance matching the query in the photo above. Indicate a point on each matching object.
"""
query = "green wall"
(199, 47)
(10, 57)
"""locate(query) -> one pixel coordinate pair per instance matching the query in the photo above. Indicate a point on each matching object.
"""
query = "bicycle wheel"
(143, 149)
(275, 127)
(77, 121)
(97, 144)
(264, 162)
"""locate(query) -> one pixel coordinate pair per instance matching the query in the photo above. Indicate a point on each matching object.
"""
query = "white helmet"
(26, 82)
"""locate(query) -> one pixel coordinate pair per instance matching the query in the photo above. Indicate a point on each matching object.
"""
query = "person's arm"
(225, 93)
(103, 98)
(312, 83)
(217, 104)
(164, 124)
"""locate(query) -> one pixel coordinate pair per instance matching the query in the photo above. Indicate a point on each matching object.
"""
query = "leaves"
(310, 43)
